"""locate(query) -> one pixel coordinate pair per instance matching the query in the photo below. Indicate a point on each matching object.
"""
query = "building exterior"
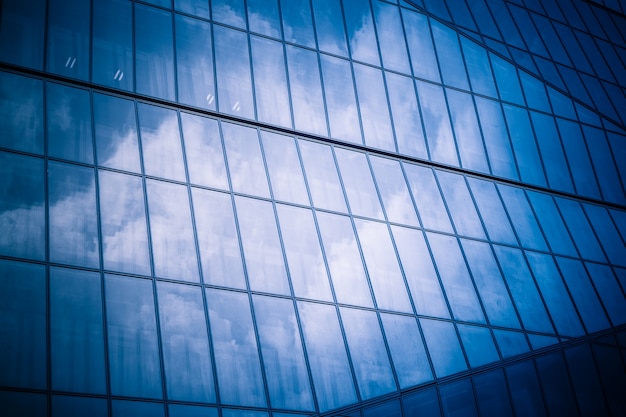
(255, 208)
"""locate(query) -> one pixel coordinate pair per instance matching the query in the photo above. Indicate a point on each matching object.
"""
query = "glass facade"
(282, 208)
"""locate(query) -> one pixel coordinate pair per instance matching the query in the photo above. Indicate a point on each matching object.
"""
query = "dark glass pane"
(121, 408)
(422, 403)
(525, 391)
(556, 386)
(492, 396)
(587, 388)
(458, 400)
(66, 406)
(22, 404)
(21, 113)
(22, 34)
(478, 344)
(68, 38)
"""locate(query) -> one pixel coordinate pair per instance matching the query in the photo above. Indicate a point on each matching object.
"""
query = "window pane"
(121, 408)
(76, 331)
(23, 331)
(443, 345)
(297, 22)
(284, 168)
(72, 215)
(115, 125)
(304, 255)
(422, 403)
(525, 223)
(261, 247)
(427, 198)
(393, 191)
(322, 178)
(21, 113)
(361, 34)
(326, 351)
(263, 17)
(610, 293)
(478, 67)
(78, 406)
(231, 12)
(186, 356)
(177, 410)
(578, 158)
(194, 63)
(552, 152)
(607, 233)
(552, 224)
(478, 344)
(23, 404)
(460, 204)
(449, 54)
(527, 155)
(511, 343)
(525, 391)
(22, 212)
(492, 396)
(220, 254)
(392, 43)
(508, 83)
(132, 335)
(359, 184)
(195, 7)
(68, 38)
(458, 400)
(421, 46)
(331, 35)
(556, 384)
(580, 229)
(285, 368)
(270, 82)
(236, 351)
(21, 39)
(492, 211)
(437, 123)
(373, 105)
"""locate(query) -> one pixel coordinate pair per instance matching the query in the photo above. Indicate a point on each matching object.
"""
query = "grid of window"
(286, 208)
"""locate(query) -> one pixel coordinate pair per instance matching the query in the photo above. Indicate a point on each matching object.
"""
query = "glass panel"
(610, 293)
(23, 404)
(578, 158)
(456, 278)
(359, 184)
(552, 224)
(388, 409)
(177, 410)
(382, 266)
(523, 289)
(511, 343)
(306, 91)
(552, 152)
(457, 399)
(508, 83)
(426, 194)
(525, 224)
(68, 38)
(374, 113)
(525, 391)
(437, 124)
(203, 148)
(21, 112)
(322, 177)
(234, 85)
(194, 63)
(478, 68)
(407, 120)
(392, 43)
(422, 403)
(195, 7)
(583, 294)
(344, 260)
(72, 215)
(132, 335)
(491, 288)
(496, 138)
(78, 406)
(555, 294)
(160, 142)
(217, 239)
(154, 52)
(121, 408)
(173, 245)
(420, 43)
(22, 212)
(235, 346)
(368, 353)
(76, 331)
(607, 234)
(284, 168)
(186, 356)
(22, 36)
(603, 158)
(535, 92)
(460, 205)
(527, 155)
(449, 55)
(23, 329)
(407, 350)
(491, 393)
(285, 368)
(361, 33)
(261, 247)
(245, 161)
(298, 23)
(112, 54)
(394, 192)
(231, 12)
(340, 99)
(123, 216)
(304, 255)
(556, 385)
(492, 211)
(585, 381)
(331, 35)
(263, 17)
(468, 137)
(270, 82)
(443, 345)
(326, 351)
(115, 125)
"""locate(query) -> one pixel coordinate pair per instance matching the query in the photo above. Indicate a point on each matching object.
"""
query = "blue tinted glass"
(283, 165)
(72, 215)
(123, 223)
(492, 396)
(235, 347)
(361, 33)
(422, 403)
(578, 158)
(66, 406)
(22, 212)
(283, 358)
(177, 410)
(115, 125)
(321, 175)
(478, 344)
(427, 198)
(185, 342)
(217, 239)
(535, 92)
(580, 229)
(331, 35)
(121, 408)
(22, 35)
(607, 233)
(491, 288)
(457, 399)
(511, 343)
(21, 113)
(231, 12)
(387, 409)
(552, 223)
(68, 38)
(23, 330)
(525, 391)
(478, 68)
(443, 345)
(492, 211)
(407, 350)
(437, 123)
(556, 385)
(449, 55)
(459, 201)
(392, 43)
(298, 23)
(456, 278)
(420, 43)
(194, 63)
(609, 290)
(76, 331)
(585, 381)
(525, 223)
(552, 152)
(359, 184)
(22, 404)
(332, 377)
(508, 83)
(368, 353)
(195, 7)
(393, 191)
(524, 145)
(603, 163)
(173, 245)
(263, 17)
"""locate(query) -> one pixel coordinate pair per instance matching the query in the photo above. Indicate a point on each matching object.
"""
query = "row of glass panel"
(157, 341)
(551, 42)
(454, 123)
